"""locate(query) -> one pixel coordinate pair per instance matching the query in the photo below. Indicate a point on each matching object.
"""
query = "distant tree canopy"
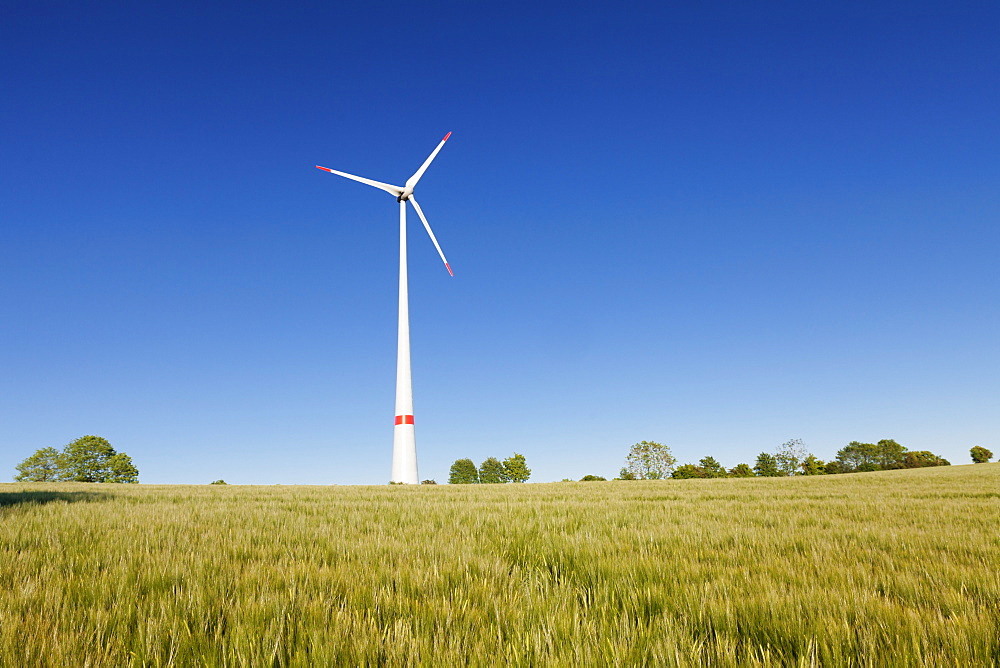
(463, 472)
(516, 469)
(648, 460)
(87, 459)
(812, 466)
(885, 455)
(920, 458)
(792, 458)
(592, 478)
(980, 455)
(789, 455)
(767, 466)
(741, 471)
(686, 472)
(491, 471)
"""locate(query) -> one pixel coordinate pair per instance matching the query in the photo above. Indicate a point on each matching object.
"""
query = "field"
(890, 568)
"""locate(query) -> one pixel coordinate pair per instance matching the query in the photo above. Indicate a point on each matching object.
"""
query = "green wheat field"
(891, 568)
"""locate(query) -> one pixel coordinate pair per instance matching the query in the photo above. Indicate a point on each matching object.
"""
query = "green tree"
(491, 471)
(220, 481)
(856, 456)
(43, 466)
(625, 474)
(121, 469)
(980, 455)
(87, 459)
(463, 472)
(687, 471)
(916, 459)
(516, 469)
(591, 478)
(889, 454)
(741, 471)
(789, 455)
(812, 466)
(832, 467)
(649, 460)
(766, 466)
(712, 469)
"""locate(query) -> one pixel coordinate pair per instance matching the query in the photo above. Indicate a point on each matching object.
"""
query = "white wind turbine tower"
(404, 447)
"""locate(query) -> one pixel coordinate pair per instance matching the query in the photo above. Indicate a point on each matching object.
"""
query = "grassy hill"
(889, 568)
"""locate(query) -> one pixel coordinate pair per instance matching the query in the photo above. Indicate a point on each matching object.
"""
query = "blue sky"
(715, 225)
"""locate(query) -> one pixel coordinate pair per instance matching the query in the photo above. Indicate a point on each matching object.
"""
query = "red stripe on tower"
(404, 419)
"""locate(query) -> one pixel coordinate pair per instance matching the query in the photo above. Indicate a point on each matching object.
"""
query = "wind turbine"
(404, 447)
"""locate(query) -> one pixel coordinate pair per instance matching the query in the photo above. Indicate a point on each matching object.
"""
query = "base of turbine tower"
(404, 452)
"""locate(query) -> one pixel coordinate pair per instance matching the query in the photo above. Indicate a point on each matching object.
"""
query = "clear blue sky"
(715, 225)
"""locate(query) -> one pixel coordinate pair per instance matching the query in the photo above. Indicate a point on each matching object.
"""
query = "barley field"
(878, 569)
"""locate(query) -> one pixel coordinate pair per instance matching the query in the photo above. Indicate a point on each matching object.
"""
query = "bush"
(220, 481)
(428, 482)
(590, 478)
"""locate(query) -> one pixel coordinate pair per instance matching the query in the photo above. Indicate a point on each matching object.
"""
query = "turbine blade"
(396, 191)
(412, 181)
(427, 227)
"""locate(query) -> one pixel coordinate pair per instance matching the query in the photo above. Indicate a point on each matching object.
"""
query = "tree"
(220, 481)
(917, 459)
(121, 469)
(812, 466)
(43, 466)
(591, 478)
(980, 455)
(766, 466)
(491, 471)
(463, 472)
(857, 456)
(428, 482)
(687, 471)
(712, 469)
(87, 459)
(516, 469)
(789, 455)
(648, 460)
(741, 471)
(889, 454)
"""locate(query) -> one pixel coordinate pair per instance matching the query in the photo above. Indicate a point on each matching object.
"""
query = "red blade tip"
(446, 137)
(325, 169)
(448, 267)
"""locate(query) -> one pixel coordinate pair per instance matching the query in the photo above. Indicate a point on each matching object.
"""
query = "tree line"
(649, 460)
(491, 471)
